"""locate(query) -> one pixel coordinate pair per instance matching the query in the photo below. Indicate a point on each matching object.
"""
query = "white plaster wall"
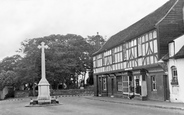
(177, 92)
(81, 77)
(180, 69)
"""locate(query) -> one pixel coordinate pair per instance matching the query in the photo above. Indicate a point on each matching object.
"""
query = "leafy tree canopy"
(67, 56)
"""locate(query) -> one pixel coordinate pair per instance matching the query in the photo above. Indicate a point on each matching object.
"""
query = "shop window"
(119, 84)
(153, 83)
(125, 84)
(174, 76)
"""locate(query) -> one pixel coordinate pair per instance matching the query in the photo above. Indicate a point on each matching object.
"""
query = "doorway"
(112, 86)
(166, 88)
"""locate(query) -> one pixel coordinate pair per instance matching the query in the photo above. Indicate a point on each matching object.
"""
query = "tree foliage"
(67, 56)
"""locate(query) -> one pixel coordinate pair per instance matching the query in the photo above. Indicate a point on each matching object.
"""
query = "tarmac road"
(81, 106)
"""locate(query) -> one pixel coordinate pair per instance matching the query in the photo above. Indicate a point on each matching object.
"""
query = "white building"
(175, 63)
(83, 76)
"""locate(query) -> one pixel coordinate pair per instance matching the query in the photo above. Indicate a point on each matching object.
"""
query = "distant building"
(129, 62)
(82, 78)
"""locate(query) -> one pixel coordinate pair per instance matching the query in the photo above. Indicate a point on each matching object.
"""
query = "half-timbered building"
(129, 62)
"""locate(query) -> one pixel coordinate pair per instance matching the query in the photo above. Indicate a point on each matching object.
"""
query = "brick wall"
(19, 94)
(72, 92)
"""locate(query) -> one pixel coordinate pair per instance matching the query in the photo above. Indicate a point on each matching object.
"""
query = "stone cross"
(43, 86)
(43, 46)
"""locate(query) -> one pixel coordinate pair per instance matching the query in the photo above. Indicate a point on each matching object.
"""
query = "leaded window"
(104, 85)
(118, 56)
(119, 83)
(153, 83)
(125, 84)
(99, 60)
(174, 76)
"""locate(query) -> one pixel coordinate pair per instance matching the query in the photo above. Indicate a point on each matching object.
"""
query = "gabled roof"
(142, 26)
(179, 54)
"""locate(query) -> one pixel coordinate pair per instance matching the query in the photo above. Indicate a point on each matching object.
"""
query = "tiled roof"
(142, 26)
(179, 54)
(165, 57)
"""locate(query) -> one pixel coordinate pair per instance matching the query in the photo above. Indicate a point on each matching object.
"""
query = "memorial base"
(43, 92)
(44, 97)
(38, 103)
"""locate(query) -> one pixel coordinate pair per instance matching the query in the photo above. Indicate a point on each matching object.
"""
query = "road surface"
(81, 106)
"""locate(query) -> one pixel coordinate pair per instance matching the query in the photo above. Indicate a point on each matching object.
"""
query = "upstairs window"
(94, 62)
(140, 46)
(99, 60)
(108, 58)
(154, 34)
(174, 75)
(118, 57)
(124, 52)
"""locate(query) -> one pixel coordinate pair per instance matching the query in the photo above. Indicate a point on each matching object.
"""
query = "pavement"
(147, 103)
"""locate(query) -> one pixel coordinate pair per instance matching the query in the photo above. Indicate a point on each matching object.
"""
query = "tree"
(7, 78)
(96, 42)
(67, 56)
(10, 63)
(8, 73)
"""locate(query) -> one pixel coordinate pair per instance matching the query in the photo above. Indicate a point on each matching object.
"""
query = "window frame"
(125, 84)
(174, 73)
(153, 83)
(104, 84)
(119, 83)
(139, 46)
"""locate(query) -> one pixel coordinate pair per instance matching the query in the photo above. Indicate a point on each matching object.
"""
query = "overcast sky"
(25, 19)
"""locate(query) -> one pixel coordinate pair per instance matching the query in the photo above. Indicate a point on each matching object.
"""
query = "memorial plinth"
(44, 91)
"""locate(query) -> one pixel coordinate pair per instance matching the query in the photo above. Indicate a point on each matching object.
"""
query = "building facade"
(175, 62)
(129, 62)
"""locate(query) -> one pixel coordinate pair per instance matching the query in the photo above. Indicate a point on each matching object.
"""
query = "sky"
(26, 19)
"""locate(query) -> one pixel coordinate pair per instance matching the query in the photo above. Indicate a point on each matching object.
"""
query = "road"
(81, 106)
